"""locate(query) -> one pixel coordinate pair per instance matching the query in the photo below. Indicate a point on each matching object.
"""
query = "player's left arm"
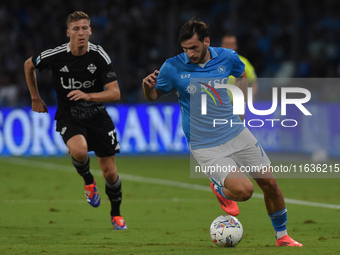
(112, 93)
(242, 83)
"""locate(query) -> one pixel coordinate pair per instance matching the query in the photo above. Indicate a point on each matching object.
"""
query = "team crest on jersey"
(221, 69)
(92, 68)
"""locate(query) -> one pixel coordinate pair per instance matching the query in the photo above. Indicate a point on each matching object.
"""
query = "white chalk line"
(82, 201)
(136, 178)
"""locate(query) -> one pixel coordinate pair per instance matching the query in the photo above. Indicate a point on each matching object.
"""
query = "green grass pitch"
(43, 211)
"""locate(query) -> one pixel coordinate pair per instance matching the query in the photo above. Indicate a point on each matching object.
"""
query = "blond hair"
(75, 16)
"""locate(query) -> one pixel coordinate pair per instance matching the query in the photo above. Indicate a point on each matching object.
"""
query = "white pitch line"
(82, 201)
(136, 178)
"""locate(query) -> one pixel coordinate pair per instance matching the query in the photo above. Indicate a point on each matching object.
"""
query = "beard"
(204, 52)
(200, 59)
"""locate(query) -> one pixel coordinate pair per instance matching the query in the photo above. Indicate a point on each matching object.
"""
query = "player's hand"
(76, 95)
(39, 105)
(150, 81)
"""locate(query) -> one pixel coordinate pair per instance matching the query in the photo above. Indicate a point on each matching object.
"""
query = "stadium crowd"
(282, 38)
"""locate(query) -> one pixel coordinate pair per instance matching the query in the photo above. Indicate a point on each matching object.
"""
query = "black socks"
(114, 192)
(83, 168)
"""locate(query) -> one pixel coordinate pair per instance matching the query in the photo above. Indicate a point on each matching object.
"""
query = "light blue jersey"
(191, 81)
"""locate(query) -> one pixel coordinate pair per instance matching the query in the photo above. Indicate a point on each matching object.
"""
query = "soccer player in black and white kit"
(80, 71)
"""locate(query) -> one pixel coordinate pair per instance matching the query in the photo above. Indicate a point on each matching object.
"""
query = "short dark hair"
(192, 27)
(75, 16)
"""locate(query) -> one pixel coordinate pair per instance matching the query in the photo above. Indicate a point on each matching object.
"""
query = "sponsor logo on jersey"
(37, 60)
(64, 69)
(111, 74)
(183, 76)
(92, 68)
(191, 89)
(73, 84)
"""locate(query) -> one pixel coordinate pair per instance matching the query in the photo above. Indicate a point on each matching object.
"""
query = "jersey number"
(112, 134)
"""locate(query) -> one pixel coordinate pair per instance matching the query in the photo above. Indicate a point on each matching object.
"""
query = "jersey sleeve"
(40, 63)
(107, 73)
(238, 66)
(46, 59)
(164, 80)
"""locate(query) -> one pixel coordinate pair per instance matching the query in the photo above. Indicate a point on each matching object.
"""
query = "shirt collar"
(212, 53)
(69, 49)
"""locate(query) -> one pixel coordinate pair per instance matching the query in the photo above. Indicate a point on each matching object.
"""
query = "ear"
(90, 32)
(206, 41)
(67, 33)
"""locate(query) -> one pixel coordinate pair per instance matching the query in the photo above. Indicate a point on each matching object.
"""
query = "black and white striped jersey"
(88, 73)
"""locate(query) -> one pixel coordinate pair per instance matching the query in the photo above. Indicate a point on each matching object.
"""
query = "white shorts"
(243, 152)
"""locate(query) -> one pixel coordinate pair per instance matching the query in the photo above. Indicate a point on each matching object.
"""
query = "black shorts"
(99, 132)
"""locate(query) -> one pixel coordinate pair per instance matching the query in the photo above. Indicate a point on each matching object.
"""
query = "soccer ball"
(226, 231)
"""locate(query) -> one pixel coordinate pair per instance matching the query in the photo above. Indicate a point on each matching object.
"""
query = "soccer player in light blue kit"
(199, 70)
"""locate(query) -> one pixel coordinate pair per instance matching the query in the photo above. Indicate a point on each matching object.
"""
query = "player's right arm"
(149, 83)
(38, 105)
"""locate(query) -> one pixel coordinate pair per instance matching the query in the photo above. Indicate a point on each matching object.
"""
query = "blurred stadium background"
(43, 209)
(285, 38)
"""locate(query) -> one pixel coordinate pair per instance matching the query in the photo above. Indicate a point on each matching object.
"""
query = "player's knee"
(110, 174)
(245, 192)
(79, 154)
(107, 173)
(269, 186)
(241, 188)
